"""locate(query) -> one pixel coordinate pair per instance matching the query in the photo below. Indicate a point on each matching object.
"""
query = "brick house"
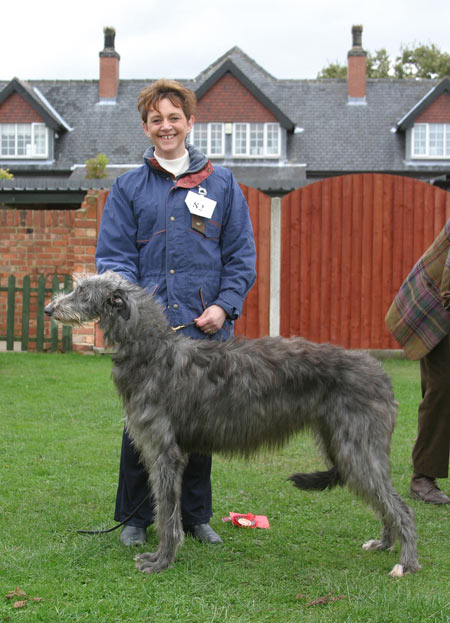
(275, 135)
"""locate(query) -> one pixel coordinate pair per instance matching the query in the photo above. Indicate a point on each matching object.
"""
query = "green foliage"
(96, 167)
(420, 61)
(378, 64)
(61, 427)
(333, 70)
(5, 174)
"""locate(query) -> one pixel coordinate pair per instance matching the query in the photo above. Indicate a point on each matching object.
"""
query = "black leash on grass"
(119, 524)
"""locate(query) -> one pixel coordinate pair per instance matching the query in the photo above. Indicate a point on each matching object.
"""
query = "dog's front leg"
(166, 475)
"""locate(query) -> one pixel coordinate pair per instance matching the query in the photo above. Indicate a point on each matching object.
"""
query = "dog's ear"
(119, 300)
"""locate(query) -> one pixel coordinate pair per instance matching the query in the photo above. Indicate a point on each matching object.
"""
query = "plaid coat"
(419, 317)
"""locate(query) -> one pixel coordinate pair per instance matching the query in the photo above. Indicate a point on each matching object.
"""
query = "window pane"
(273, 139)
(39, 142)
(436, 131)
(447, 140)
(256, 139)
(7, 139)
(240, 139)
(420, 140)
(200, 136)
(24, 147)
(216, 146)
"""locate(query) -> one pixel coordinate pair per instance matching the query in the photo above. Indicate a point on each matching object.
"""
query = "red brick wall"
(16, 110)
(48, 242)
(437, 112)
(228, 101)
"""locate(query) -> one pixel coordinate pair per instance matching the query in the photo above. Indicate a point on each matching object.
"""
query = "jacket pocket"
(205, 226)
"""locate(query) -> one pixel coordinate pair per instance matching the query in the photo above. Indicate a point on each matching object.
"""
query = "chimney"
(356, 69)
(109, 67)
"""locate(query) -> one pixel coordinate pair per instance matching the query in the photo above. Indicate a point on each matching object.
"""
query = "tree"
(378, 64)
(421, 61)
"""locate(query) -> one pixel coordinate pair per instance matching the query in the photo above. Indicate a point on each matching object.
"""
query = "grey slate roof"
(332, 136)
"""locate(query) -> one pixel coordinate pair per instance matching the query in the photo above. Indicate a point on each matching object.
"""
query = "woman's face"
(167, 128)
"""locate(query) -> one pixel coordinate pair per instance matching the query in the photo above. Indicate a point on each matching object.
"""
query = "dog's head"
(94, 297)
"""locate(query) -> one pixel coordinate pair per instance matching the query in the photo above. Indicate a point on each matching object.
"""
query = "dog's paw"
(152, 562)
(397, 572)
(372, 544)
(146, 557)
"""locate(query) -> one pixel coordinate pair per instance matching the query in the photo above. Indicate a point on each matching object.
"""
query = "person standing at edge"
(180, 228)
(419, 319)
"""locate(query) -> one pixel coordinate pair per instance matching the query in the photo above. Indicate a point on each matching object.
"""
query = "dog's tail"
(317, 481)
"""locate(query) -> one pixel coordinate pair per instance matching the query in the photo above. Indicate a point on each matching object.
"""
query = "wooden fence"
(33, 327)
(331, 257)
(347, 244)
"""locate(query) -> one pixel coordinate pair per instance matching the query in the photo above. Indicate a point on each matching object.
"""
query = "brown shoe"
(426, 489)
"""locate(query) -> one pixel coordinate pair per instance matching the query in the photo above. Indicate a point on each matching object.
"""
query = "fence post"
(66, 330)
(40, 314)
(26, 289)
(10, 313)
(53, 324)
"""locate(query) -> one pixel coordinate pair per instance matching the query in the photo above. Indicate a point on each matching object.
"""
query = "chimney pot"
(110, 35)
(357, 36)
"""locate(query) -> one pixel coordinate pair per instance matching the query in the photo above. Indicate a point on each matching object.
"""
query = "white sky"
(179, 38)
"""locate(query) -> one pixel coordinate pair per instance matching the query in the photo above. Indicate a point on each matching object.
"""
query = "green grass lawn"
(60, 434)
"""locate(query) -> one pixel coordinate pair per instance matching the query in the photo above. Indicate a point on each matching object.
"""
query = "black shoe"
(204, 533)
(132, 535)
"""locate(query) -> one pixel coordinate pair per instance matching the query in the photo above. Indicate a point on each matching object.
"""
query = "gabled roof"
(227, 65)
(37, 101)
(407, 120)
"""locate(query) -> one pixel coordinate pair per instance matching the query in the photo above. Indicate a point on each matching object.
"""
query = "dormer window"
(252, 140)
(431, 140)
(249, 140)
(23, 140)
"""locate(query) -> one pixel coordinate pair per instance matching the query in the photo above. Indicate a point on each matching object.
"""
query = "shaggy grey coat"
(182, 395)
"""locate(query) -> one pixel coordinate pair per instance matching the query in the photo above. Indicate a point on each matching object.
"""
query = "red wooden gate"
(254, 321)
(347, 244)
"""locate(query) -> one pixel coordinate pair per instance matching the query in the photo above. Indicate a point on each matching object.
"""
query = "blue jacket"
(148, 234)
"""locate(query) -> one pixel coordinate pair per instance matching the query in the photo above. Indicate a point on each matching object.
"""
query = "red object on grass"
(248, 520)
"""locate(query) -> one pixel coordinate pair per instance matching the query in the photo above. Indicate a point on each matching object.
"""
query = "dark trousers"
(196, 498)
(431, 450)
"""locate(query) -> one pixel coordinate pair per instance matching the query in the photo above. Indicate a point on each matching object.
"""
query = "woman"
(180, 228)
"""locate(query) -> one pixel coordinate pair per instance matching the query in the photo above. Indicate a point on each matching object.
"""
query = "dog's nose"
(48, 309)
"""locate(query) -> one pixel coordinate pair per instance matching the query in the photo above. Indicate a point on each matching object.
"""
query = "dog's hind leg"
(398, 519)
(166, 474)
(374, 485)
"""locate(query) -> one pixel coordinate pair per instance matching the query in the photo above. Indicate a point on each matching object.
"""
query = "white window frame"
(210, 128)
(34, 127)
(238, 127)
(428, 127)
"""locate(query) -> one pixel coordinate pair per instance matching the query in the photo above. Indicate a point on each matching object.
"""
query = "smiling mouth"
(167, 137)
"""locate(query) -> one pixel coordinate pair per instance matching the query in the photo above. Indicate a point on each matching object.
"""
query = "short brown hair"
(177, 94)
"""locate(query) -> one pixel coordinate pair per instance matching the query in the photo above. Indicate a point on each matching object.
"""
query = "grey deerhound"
(182, 395)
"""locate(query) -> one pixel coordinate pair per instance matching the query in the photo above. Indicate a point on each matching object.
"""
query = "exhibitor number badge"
(200, 205)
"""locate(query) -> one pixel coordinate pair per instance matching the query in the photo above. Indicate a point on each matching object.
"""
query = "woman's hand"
(211, 320)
